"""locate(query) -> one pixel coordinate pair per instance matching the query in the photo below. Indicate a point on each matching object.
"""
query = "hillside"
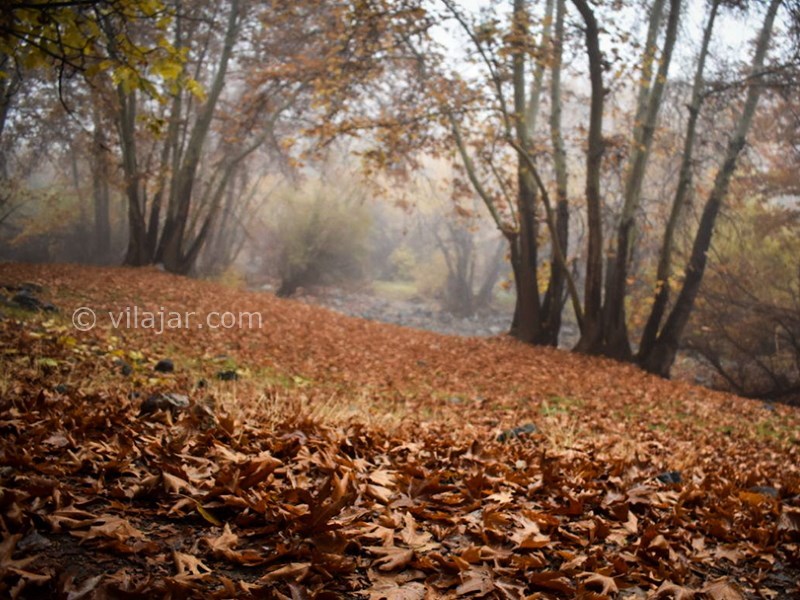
(323, 456)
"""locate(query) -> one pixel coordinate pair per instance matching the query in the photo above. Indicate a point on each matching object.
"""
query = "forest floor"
(387, 302)
(323, 456)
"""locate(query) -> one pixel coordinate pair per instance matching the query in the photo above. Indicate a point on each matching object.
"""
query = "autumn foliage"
(353, 459)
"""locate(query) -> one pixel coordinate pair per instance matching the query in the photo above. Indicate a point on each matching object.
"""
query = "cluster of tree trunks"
(600, 313)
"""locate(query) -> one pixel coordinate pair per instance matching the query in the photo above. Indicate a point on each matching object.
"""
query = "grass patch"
(395, 290)
(559, 405)
(504, 300)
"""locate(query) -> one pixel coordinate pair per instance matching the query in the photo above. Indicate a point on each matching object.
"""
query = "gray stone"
(517, 432)
(670, 477)
(172, 402)
(165, 365)
(764, 490)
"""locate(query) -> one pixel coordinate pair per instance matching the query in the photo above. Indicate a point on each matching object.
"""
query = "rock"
(124, 367)
(165, 365)
(455, 400)
(228, 375)
(177, 400)
(670, 477)
(26, 300)
(171, 402)
(517, 432)
(150, 405)
(764, 490)
(33, 288)
(33, 542)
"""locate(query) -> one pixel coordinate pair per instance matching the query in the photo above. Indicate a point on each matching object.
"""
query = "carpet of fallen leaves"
(322, 456)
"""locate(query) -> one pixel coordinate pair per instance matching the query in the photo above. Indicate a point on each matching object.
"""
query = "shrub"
(321, 236)
(747, 320)
(402, 264)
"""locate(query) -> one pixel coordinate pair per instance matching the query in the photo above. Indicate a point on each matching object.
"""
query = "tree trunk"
(9, 86)
(592, 330)
(527, 324)
(527, 313)
(172, 250)
(491, 275)
(662, 356)
(102, 220)
(553, 303)
(664, 269)
(534, 99)
(616, 342)
(101, 197)
(137, 253)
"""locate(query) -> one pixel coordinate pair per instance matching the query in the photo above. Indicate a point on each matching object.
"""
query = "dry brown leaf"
(111, 527)
(379, 493)
(419, 541)
(671, 591)
(596, 582)
(387, 591)
(187, 564)
(224, 546)
(175, 485)
(789, 520)
(732, 554)
(391, 558)
(7, 547)
(528, 535)
(292, 571)
(382, 477)
(478, 581)
(722, 589)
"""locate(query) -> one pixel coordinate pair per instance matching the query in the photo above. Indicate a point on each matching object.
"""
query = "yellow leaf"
(167, 69)
(196, 88)
(207, 515)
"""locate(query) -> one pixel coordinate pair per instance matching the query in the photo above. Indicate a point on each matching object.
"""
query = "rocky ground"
(417, 312)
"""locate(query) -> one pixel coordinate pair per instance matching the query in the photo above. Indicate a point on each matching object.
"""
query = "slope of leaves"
(348, 458)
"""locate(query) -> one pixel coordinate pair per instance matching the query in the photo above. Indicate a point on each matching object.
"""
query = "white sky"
(732, 34)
